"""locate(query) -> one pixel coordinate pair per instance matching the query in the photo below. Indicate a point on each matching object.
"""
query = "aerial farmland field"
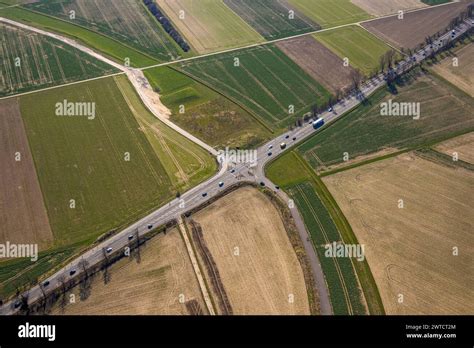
(407, 32)
(361, 48)
(364, 131)
(411, 250)
(154, 286)
(206, 113)
(23, 217)
(265, 81)
(186, 163)
(461, 146)
(31, 61)
(330, 13)
(126, 21)
(385, 7)
(272, 18)
(266, 271)
(459, 72)
(209, 25)
(72, 155)
(319, 62)
(293, 176)
(111, 48)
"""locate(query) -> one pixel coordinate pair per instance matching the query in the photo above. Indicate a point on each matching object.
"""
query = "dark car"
(150, 226)
(294, 138)
(72, 272)
(130, 237)
(46, 283)
(269, 154)
(277, 187)
(287, 136)
(262, 183)
(204, 194)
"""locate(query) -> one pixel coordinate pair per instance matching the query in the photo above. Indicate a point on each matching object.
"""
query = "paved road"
(230, 174)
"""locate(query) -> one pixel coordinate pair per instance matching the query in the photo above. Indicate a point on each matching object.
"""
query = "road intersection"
(230, 174)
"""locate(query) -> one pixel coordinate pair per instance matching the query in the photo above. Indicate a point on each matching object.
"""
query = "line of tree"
(166, 24)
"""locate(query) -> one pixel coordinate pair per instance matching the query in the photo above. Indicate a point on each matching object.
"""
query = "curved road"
(230, 174)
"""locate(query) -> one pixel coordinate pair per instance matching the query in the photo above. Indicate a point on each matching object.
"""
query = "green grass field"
(186, 163)
(444, 112)
(209, 25)
(81, 159)
(110, 47)
(330, 13)
(126, 21)
(206, 114)
(266, 82)
(361, 47)
(289, 172)
(44, 62)
(272, 18)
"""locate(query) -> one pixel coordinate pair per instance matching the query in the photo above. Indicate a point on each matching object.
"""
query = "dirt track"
(23, 217)
(410, 250)
(265, 277)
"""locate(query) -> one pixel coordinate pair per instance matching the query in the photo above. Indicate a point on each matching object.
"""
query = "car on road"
(277, 187)
(269, 154)
(46, 283)
(130, 237)
(109, 250)
(17, 304)
(270, 147)
(283, 146)
(262, 183)
(294, 138)
(330, 109)
(287, 136)
(221, 184)
(150, 226)
(72, 272)
(204, 194)
(232, 171)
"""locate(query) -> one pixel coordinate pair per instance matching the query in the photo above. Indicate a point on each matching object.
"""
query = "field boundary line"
(197, 270)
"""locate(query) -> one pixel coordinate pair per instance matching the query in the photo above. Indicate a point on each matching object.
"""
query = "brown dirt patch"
(266, 275)
(416, 26)
(23, 217)
(463, 145)
(410, 250)
(318, 61)
(152, 286)
(385, 7)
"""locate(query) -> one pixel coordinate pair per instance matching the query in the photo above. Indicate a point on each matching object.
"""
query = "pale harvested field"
(209, 25)
(318, 61)
(462, 75)
(410, 250)
(385, 7)
(463, 145)
(151, 287)
(416, 26)
(23, 217)
(264, 275)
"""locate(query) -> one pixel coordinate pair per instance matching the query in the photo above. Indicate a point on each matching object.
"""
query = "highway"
(232, 173)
